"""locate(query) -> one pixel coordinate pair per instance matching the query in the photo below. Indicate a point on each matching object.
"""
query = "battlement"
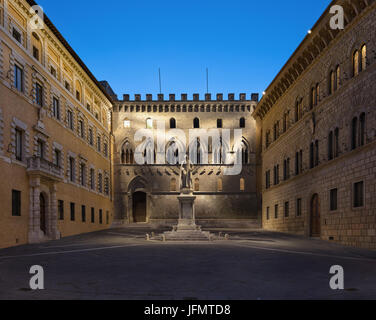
(184, 97)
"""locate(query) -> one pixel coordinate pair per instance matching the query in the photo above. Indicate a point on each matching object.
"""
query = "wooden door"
(139, 207)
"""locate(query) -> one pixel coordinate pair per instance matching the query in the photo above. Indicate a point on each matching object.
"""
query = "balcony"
(41, 167)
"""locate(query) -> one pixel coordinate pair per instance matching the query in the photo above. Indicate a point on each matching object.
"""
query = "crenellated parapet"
(185, 104)
(184, 98)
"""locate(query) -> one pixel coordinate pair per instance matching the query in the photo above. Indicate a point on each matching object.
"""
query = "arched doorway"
(139, 207)
(315, 216)
(42, 202)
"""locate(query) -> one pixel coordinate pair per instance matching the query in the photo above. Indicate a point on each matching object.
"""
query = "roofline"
(65, 43)
(298, 48)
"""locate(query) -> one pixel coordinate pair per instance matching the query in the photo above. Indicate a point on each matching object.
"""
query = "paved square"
(121, 264)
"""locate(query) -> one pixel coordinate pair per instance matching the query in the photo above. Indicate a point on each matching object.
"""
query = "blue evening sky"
(244, 43)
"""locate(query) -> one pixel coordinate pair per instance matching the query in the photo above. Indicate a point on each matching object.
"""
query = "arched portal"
(315, 216)
(139, 207)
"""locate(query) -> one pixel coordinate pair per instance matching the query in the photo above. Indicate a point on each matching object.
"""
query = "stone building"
(148, 192)
(55, 135)
(318, 122)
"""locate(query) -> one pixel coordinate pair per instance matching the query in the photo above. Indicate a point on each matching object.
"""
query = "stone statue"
(186, 174)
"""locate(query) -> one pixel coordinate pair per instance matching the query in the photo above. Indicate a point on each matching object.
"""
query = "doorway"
(139, 207)
(42, 202)
(315, 216)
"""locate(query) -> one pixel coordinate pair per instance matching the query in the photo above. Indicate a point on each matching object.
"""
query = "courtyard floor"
(121, 264)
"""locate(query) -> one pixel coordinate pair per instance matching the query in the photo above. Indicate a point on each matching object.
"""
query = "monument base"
(186, 229)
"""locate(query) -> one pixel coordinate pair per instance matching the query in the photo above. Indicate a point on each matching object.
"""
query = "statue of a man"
(186, 174)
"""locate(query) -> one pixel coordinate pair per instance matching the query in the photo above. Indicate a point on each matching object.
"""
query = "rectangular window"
(17, 35)
(91, 138)
(53, 72)
(107, 217)
(83, 213)
(82, 128)
(67, 85)
(358, 194)
(57, 160)
(107, 187)
(276, 211)
(36, 53)
(41, 149)
(333, 199)
(72, 169)
(267, 179)
(19, 145)
(70, 119)
(276, 175)
(298, 207)
(286, 169)
(99, 144)
(56, 108)
(100, 183)
(267, 213)
(16, 203)
(92, 179)
(72, 211)
(287, 209)
(92, 215)
(18, 78)
(317, 153)
(83, 174)
(219, 123)
(39, 95)
(101, 216)
(61, 209)
(105, 149)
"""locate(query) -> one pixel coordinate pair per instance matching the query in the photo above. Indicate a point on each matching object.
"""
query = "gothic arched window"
(172, 123)
(364, 58)
(356, 63)
(242, 123)
(196, 123)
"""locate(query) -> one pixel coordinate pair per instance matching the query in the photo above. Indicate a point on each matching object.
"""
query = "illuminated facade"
(55, 140)
(148, 193)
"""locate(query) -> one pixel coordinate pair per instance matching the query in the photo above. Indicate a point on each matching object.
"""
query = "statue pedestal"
(187, 220)
(186, 229)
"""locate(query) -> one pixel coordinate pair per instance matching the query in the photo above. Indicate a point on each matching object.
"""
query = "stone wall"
(356, 95)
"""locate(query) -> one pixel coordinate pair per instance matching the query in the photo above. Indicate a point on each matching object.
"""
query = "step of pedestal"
(187, 235)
